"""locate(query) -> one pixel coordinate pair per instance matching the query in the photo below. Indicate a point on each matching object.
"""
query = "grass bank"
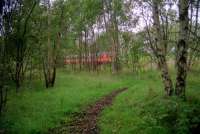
(143, 109)
(37, 109)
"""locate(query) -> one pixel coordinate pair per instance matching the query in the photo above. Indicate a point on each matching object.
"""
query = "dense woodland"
(52, 48)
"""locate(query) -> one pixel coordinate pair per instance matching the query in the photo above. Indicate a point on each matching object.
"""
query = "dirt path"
(86, 122)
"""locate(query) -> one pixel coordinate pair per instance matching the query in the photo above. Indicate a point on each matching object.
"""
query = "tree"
(193, 33)
(182, 48)
(114, 9)
(49, 61)
(5, 61)
(159, 50)
(21, 40)
(18, 38)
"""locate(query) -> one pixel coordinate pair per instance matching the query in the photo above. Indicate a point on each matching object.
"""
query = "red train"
(103, 58)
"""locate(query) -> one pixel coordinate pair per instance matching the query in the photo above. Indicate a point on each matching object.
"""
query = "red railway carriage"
(102, 58)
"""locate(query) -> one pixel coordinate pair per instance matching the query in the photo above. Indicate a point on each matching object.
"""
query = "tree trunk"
(182, 48)
(168, 85)
(49, 63)
(192, 54)
(112, 29)
(4, 70)
(160, 51)
(19, 65)
(115, 39)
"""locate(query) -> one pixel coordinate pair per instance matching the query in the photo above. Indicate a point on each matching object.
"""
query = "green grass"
(37, 109)
(143, 109)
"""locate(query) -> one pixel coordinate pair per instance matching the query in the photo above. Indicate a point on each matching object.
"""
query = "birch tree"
(182, 48)
(159, 50)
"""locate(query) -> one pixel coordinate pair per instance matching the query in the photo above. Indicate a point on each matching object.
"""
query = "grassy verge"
(37, 109)
(144, 110)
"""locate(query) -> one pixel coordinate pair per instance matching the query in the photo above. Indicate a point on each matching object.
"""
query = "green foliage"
(36, 110)
(143, 109)
(132, 47)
